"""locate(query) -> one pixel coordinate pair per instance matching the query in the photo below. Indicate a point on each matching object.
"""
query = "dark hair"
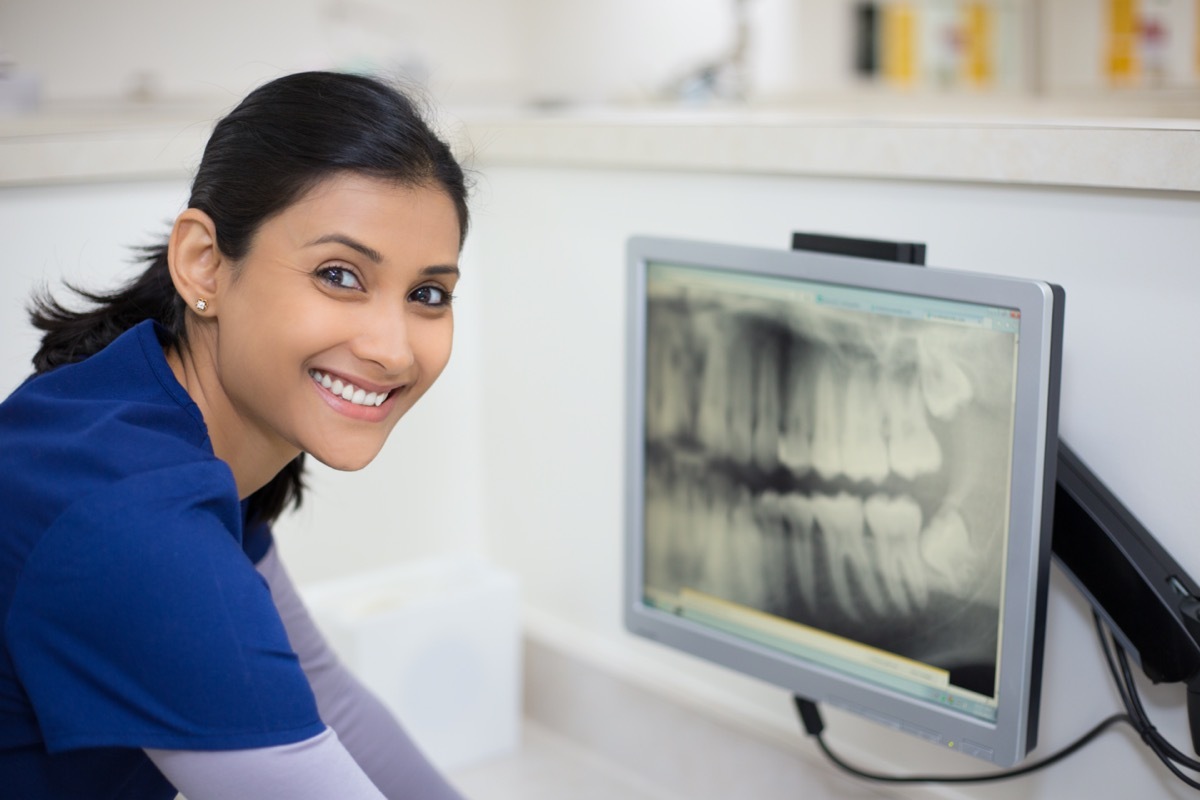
(277, 144)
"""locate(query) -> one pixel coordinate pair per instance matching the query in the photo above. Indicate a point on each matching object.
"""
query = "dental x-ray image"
(838, 468)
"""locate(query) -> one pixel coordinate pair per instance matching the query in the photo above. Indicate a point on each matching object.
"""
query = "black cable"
(1139, 719)
(991, 776)
(1135, 715)
(1159, 740)
(814, 726)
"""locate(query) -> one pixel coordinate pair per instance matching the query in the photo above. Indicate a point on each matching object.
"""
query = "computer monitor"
(841, 477)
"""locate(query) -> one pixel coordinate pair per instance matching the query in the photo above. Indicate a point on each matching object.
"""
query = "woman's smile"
(349, 397)
(349, 390)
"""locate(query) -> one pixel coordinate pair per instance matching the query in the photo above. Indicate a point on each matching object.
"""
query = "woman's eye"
(431, 296)
(340, 277)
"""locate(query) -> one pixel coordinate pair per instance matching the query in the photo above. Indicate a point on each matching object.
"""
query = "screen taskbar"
(903, 675)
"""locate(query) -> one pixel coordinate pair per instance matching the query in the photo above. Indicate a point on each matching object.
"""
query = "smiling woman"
(152, 641)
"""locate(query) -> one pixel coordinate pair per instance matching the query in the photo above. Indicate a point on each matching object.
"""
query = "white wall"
(465, 49)
(468, 51)
(551, 249)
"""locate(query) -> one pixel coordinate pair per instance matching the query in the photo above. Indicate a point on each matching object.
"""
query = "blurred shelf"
(1148, 145)
(995, 145)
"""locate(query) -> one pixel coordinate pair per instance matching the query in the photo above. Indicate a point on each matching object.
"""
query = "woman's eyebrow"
(353, 244)
(442, 269)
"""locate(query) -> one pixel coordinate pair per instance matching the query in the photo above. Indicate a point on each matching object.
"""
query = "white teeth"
(665, 548)
(798, 520)
(348, 391)
(944, 384)
(670, 358)
(829, 396)
(712, 415)
(946, 549)
(749, 557)
(741, 400)
(710, 527)
(766, 410)
(772, 515)
(912, 448)
(896, 523)
(841, 521)
(864, 452)
(795, 446)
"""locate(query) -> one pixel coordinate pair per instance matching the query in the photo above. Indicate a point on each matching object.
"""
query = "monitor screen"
(840, 480)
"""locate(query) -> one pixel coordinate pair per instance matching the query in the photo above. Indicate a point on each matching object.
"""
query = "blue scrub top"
(131, 612)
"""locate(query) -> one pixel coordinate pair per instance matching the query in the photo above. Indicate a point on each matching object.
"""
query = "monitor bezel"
(1013, 734)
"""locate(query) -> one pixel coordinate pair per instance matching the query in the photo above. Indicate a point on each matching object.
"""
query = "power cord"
(1139, 719)
(1135, 715)
(809, 711)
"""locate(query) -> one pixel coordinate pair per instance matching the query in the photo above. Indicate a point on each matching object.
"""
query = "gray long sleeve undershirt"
(369, 758)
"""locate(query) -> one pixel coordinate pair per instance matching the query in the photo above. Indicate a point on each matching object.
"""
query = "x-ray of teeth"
(844, 470)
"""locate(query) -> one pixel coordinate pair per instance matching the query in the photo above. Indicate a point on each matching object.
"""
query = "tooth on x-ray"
(668, 358)
(829, 390)
(944, 384)
(712, 421)
(766, 410)
(946, 550)
(864, 452)
(912, 448)
(740, 417)
(797, 513)
(772, 526)
(840, 519)
(895, 524)
(795, 443)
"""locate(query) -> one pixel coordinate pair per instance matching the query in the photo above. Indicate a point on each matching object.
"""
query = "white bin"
(438, 641)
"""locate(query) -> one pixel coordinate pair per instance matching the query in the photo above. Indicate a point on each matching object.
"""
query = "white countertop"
(550, 766)
(1017, 145)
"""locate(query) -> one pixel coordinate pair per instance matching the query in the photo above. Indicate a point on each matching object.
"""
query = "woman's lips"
(370, 403)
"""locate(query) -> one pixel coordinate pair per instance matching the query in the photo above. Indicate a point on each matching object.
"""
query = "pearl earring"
(201, 304)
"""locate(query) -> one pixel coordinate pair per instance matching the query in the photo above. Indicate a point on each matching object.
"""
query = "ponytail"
(73, 335)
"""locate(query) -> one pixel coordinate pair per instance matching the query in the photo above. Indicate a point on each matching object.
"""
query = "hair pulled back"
(281, 141)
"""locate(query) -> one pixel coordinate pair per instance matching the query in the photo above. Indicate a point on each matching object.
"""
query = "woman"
(152, 641)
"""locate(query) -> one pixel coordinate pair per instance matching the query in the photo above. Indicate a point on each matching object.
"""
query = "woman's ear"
(194, 259)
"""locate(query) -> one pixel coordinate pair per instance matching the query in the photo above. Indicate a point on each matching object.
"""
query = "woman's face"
(338, 319)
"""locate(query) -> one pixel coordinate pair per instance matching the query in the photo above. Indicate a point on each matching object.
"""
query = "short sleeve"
(138, 621)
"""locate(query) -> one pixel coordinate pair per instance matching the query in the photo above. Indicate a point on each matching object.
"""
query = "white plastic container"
(438, 641)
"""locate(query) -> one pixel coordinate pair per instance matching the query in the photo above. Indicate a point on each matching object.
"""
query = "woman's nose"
(385, 341)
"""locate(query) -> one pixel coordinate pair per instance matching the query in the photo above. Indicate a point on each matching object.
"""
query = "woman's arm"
(365, 727)
(314, 769)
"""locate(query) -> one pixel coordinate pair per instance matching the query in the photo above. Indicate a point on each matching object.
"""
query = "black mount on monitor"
(1149, 602)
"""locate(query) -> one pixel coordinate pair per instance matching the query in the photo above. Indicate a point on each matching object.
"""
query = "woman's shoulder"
(117, 412)
(106, 432)
(131, 371)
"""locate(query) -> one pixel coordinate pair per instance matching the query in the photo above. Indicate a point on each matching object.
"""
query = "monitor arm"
(1150, 603)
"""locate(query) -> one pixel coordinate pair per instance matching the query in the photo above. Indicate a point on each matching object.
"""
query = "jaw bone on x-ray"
(844, 470)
